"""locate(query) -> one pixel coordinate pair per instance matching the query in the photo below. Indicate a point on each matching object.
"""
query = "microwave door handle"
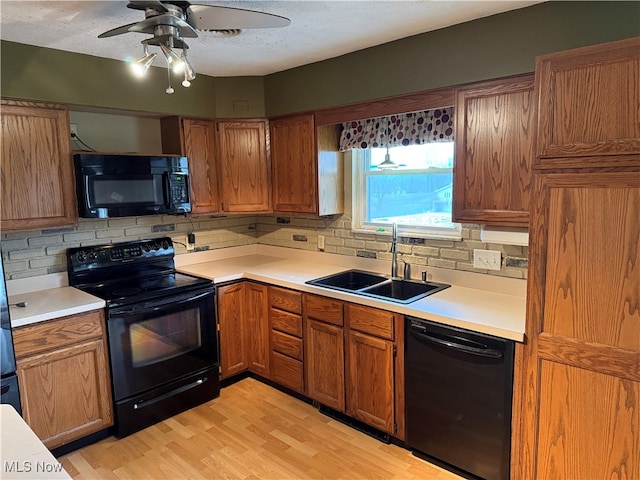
(166, 189)
(87, 196)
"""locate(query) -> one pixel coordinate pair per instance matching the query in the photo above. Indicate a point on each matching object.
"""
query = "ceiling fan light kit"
(171, 21)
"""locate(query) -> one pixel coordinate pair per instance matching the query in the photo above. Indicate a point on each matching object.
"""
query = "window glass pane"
(422, 199)
(414, 191)
(428, 155)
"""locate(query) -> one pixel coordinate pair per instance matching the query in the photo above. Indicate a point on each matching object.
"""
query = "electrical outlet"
(320, 242)
(487, 259)
(73, 127)
(190, 245)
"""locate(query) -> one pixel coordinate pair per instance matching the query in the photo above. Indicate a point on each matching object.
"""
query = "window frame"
(360, 162)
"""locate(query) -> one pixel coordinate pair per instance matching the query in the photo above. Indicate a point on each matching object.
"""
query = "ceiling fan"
(171, 21)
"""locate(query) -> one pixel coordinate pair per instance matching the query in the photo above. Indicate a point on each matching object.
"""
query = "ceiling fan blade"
(210, 17)
(148, 25)
(143, 5)
(118, 30)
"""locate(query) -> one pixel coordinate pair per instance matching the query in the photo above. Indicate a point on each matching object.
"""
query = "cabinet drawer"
(287, 371)
(287, 344)
(323, 309)
(370, 320)
(40, 337)
(286, 322)
(287, 300)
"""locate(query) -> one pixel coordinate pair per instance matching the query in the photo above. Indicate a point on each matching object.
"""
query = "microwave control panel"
(179, 188)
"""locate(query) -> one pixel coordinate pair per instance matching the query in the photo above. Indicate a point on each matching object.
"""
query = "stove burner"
(126, 292)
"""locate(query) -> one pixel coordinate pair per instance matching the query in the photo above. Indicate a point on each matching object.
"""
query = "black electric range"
(161, 329)
(129, 272)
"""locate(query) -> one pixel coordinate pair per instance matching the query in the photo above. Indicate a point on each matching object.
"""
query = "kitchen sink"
(350, 281)
(404, 291)
(379, 286)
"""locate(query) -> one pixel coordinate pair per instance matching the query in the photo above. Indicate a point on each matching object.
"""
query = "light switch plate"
(320, 242)
(487, 259)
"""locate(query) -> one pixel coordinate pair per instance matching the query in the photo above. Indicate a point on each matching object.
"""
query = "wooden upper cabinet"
(294, 164)
(195, 139)
(244, 166)
(36, 168)
(495, 131)
(307, 168)
(588, 101)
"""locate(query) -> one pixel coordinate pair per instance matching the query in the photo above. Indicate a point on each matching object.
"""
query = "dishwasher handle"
(420, 331)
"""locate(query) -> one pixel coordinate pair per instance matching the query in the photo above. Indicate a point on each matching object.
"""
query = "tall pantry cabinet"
(578, 408)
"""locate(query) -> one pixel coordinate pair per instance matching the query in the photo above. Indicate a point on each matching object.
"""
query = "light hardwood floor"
(252, 431)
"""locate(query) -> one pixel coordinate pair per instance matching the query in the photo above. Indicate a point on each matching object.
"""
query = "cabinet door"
(232, 333)
(199, 147)
(294, 164)
(495, 128)
(36, 169)
(244, 166)
(256, 317)
(580, 412)
(65, 393)
(588, 100)
(324, 363)
(370, 381)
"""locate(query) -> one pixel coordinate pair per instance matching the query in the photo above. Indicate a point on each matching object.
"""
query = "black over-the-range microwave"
(116, 185)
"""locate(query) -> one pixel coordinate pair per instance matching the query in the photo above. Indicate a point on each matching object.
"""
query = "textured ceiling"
(318, 29)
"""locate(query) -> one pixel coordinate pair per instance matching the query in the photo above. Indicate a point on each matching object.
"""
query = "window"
(415, 191)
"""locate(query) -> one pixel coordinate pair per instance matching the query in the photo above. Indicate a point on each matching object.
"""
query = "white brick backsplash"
(137, 231)
(47, 261)
(79, 236)
(40, 252)
(454, 254)
(438, 262)
(26, 254)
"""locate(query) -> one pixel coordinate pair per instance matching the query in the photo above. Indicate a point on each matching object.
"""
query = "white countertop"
(483, 303)
(22, 454)
(51, 303)
(493, 313)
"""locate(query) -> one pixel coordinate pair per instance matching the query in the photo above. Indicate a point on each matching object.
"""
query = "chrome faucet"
(394, 251)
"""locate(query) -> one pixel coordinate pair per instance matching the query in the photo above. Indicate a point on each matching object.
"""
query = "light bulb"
(169, 90)
(186, 83)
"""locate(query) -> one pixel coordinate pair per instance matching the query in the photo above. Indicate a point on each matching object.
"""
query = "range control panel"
(103, 256)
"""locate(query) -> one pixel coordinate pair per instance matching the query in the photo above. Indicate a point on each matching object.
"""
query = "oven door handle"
(158, 304)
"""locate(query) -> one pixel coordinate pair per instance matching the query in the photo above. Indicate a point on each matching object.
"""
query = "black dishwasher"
(458, 398)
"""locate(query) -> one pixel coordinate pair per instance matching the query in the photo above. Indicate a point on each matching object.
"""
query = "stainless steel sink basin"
(379, 286)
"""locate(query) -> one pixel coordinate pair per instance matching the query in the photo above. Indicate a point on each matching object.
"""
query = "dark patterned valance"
(413, 128)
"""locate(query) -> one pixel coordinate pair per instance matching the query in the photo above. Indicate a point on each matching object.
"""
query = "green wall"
(37, 73)
(491, 47)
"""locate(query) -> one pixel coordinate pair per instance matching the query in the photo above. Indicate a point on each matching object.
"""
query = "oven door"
(159, 341)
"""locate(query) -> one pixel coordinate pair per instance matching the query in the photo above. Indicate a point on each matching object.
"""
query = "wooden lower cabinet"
(325, 363)
(374, 370)
(231, 332)
(256, 317)
(371, 380)
(351, 361)
(287, 350)
(243, 329)
(63, 374)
